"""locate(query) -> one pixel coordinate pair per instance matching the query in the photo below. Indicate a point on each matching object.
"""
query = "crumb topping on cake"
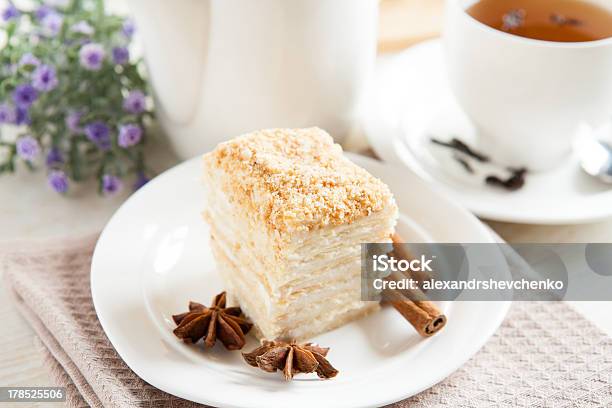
(297, 179)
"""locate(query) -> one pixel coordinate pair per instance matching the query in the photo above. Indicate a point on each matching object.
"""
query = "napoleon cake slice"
(287, 213)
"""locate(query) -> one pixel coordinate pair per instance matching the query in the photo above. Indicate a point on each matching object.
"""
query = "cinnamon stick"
(423, 315)
(414, 305)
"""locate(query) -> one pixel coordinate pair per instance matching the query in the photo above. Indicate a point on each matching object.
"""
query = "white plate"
(410, 100)
(153, 256)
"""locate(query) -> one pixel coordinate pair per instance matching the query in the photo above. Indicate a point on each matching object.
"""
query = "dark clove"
(512, 183)
(460, 146)
(464, 163)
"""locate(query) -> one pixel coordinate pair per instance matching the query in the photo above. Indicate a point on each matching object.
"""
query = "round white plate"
(410, 101)
(153, 257)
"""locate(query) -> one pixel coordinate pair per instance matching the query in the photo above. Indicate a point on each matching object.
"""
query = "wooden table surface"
(403, 22)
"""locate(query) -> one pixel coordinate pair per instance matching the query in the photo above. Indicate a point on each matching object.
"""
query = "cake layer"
(303, 269)
(320, 249)
(347, 278)
(313, 315)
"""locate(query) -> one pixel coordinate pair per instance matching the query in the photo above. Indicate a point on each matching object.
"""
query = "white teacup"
(526, 97)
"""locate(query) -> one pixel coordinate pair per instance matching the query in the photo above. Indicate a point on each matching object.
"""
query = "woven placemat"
(545, 354)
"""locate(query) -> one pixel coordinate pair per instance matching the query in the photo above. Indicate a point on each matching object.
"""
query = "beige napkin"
(545, 354)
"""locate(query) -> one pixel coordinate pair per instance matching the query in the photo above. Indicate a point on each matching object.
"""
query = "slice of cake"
(288, 213)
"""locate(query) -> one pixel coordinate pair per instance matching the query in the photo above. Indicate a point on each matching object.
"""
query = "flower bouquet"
(71, 98)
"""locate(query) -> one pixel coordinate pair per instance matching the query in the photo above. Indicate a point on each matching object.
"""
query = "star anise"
(291, 358)
(210, 323)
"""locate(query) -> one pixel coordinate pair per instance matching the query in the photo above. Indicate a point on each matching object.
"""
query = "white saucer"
(410, 101)
(154, 256)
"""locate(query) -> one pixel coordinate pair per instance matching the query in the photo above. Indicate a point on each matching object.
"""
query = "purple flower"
(24, 95)
(129, 135)
(121, 55)
(134, 102)
(128, 28)
(52, 24)
(44, 78)
(28, 59)
(54, 157)
(58, 181)
(10, 12)
(43, 11)
(8, 114)
(82, 27)
(99, 134)
(91, 56)
(111, 184)
(141, 180)
(23, 116)
(27, 148)
(73, 120)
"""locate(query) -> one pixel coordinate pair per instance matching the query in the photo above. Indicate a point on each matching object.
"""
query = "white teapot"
(220, 68)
